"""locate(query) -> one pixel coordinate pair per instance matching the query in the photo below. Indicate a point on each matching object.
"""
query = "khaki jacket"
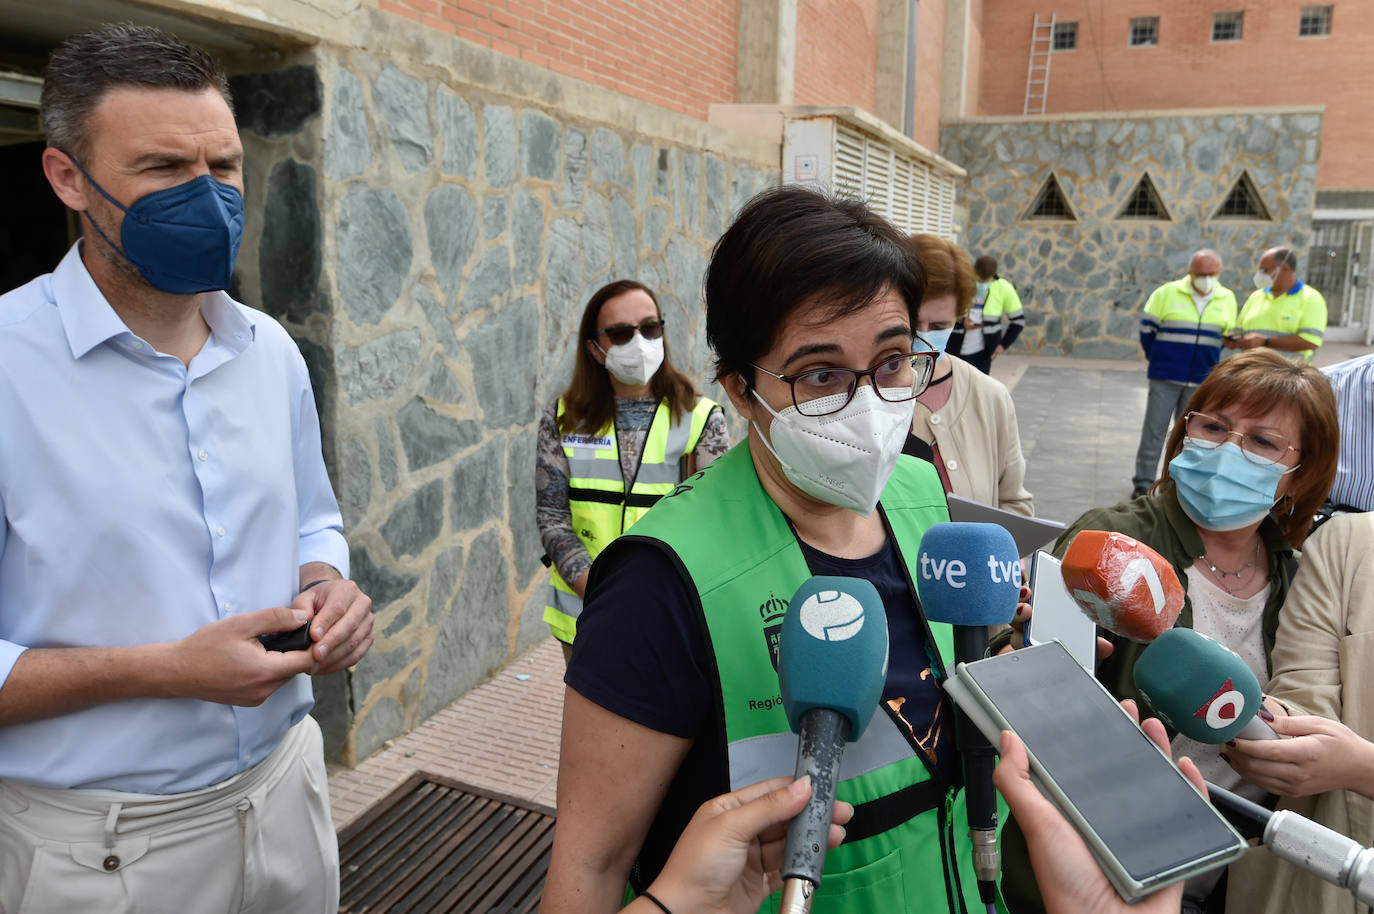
(979, 443)
(1323, 664)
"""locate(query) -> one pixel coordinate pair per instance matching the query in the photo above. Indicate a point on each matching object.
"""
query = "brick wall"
(837, 50)
(678, 55)
(930, 39)
(1270, 65)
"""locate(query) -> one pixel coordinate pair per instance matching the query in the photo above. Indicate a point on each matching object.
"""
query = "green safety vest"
(1300, 311)
(601, 509)
(907, 848)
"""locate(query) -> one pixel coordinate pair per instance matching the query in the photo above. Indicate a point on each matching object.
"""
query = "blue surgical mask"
(938, 340)
(183, 239)
(1222, 489)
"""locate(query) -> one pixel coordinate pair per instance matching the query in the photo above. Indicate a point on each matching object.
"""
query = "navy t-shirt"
(642, 652)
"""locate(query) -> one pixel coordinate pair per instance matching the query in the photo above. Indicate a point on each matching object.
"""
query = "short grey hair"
(86, 66)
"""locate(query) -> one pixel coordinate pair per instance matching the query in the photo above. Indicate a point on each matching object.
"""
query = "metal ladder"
(1038, 72)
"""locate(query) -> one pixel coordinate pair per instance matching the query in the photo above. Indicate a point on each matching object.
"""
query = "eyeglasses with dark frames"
(822, 391)
(651, 328)
(1261, 447)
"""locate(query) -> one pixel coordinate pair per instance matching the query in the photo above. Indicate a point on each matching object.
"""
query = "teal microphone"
(832, 665)
(1201, 688)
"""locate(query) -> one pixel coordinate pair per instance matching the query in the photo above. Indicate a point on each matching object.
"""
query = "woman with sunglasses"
(673, 690)
(627, 430)
(1245, 469)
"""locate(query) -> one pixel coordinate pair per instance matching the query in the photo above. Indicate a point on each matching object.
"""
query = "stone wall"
(432, 242)
(1084, 281)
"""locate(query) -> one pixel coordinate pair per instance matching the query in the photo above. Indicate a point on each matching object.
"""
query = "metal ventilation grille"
(908, 192)
(435, 845)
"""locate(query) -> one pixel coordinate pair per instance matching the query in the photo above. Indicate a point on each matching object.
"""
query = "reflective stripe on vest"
(601, 510)
(911, 851)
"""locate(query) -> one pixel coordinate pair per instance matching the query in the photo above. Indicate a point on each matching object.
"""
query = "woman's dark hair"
(589, 401)
(792, 246)
(1258, 380)
(86, 66)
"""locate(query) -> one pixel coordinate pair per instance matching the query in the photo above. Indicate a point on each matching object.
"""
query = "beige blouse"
(1323, 664)
(980, 445)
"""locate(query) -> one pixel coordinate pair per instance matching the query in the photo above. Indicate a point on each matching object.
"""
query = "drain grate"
(436, 845)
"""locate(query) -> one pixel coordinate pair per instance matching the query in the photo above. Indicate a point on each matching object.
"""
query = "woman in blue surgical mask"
(1246, 467)
(966, 417)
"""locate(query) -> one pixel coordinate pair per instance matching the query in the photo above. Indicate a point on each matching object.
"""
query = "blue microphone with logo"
(969, 576)
(832, 665)
(1201, 688)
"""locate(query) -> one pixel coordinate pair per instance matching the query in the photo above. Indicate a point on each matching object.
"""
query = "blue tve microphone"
(832, 665)
(969, 575)
(1201, 688)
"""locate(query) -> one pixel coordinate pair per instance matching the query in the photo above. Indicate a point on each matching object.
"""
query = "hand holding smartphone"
(1146, 824)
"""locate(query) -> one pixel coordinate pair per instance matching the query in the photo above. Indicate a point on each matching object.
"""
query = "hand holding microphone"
(832, 665)
(969, 576)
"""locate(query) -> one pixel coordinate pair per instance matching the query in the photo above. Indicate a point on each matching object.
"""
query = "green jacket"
(907, 849)
(1159, 522)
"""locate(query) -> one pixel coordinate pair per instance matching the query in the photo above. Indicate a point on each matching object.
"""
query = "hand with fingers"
(225, 662)
(341, 624)
(729, 856)
(1313, 755)
(1066, 870)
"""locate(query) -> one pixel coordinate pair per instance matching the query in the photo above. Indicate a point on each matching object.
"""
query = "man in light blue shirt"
(163, 503)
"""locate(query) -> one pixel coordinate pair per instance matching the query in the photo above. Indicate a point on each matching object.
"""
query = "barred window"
(1144, 31)
(1227, 26)
(1050, 202)
(1315, 20)
(1065, 36)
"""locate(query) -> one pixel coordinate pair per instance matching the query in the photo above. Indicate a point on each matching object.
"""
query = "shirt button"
(951, 464)
(228, 606)
(220, 531)
(935, 420)
(111, 863)
(203, 456)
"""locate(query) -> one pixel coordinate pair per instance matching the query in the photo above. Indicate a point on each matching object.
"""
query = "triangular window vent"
(1243, 202)
(1050, 202)
(1144, 202)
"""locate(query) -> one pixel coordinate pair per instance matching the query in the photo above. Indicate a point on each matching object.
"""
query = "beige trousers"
(260, 842)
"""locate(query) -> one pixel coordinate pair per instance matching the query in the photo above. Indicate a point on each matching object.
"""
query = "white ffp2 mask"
(635, 362)
(846, 458)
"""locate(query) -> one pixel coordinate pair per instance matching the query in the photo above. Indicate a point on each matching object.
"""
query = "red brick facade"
(1269, 65)
(677, 55)
(837, 53)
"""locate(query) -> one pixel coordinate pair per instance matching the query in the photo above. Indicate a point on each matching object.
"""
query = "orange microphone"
(1122, 584)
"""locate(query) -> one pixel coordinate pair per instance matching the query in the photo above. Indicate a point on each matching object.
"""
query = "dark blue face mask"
(183, 239)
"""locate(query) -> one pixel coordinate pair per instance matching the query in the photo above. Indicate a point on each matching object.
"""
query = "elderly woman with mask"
(1246, 467)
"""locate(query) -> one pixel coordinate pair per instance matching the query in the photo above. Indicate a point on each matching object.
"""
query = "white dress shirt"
(141, 499)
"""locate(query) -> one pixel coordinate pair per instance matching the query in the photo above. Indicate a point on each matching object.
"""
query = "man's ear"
(65, 178)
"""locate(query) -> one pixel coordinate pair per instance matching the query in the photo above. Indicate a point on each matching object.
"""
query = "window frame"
(1234, 17)
(1321, 13)
(1141, 22)
(1071, 30)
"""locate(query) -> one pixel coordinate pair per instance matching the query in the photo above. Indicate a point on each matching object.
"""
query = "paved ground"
(1080, 421)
